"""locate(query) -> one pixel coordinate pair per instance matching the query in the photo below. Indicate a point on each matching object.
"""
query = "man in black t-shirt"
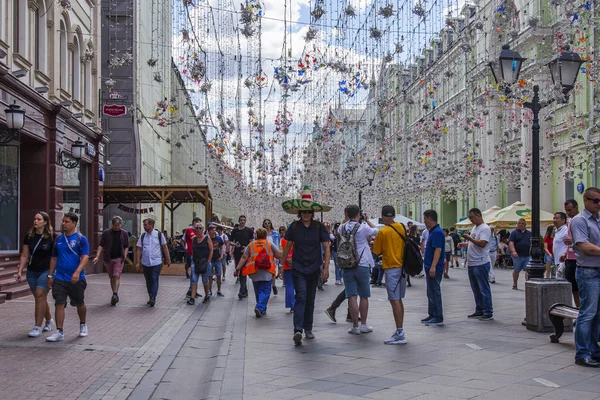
(240, 237)
(456, 241)
(115, 244)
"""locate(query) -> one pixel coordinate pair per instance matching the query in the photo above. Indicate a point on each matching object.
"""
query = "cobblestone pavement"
(221, 351)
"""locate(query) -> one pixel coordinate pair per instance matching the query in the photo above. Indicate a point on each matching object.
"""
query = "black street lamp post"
(370, 178)
(564, 69)
(15, 120)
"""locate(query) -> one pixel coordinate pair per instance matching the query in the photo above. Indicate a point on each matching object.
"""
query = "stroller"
(503, 261)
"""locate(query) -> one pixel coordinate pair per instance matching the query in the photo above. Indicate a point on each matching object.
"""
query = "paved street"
(175, 351)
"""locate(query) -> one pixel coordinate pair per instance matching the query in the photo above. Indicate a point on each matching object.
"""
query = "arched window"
(76, 68)
(64, 59)
(41, 37)
(20, 27)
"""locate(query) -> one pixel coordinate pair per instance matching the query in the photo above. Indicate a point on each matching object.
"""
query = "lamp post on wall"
(370, 178)
(77, 150)
(564, 69)
(15, 120)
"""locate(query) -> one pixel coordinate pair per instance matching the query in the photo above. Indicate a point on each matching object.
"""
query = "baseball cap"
(388, 211)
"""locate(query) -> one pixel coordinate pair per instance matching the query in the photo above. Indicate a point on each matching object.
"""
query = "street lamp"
(77, 150)
(15, 120)
(370, 178)
(564, 69)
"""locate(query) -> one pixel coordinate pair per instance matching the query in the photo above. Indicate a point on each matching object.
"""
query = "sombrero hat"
(304, 203)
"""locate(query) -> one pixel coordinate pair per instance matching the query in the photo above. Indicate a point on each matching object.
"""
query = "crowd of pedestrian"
(364, 255)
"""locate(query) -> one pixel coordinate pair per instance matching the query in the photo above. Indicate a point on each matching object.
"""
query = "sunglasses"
(596, 201)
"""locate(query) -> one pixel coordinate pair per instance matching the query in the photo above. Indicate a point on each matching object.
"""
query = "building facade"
(49, 66)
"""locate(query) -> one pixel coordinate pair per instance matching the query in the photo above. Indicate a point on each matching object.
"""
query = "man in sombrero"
(311, 255)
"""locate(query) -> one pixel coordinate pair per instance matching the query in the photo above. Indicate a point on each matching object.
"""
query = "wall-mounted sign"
(90, 150)
(114, 110)
(580, 187)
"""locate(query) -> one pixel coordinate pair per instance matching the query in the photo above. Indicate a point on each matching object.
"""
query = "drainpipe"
(590, 130)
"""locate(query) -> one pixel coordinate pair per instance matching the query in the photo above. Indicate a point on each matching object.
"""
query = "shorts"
(194, 278)
(114, 267)
(448, 256)
(38, 280)
(358, 282)
(521, 263)
(395, 283)
(75, 291)
(548, 259)
(457, 253)
(215, 268)
(570, 270)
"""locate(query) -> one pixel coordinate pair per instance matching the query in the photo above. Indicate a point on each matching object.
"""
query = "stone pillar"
(540, 294)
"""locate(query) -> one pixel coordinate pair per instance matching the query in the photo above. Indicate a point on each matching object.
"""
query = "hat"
(388, 211)
(304, 203)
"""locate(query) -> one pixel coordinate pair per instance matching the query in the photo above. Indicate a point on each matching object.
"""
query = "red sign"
(114, 110)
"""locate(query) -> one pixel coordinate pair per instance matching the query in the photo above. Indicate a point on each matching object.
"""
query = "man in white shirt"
(152, 246)
(478, 261)
(559, 248)
(357, 280)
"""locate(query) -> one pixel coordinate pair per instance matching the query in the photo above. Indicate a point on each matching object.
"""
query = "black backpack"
(412, 262)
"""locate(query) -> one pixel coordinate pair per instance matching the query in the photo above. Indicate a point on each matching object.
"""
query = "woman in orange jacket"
(258, 262)
(288, 283)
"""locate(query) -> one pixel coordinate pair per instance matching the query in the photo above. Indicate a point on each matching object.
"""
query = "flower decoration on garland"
(65, 4)
(152, 62)
(318, 12)
(157, 77)
(349, 11)
(109, 83)
(386, 11)
(419, 10)
(205, 87)
(311, 34)
(375, 33)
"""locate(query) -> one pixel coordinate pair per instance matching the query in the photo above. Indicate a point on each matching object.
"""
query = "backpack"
(347, 255)
(412, 262)
(261, 260)
(160, 239)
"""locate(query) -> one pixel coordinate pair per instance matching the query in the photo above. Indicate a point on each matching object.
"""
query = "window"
(76, 68)
(9, 198)
(41, 41)
(20, 27)
(16, 24)
(64, 63)
(3, 18)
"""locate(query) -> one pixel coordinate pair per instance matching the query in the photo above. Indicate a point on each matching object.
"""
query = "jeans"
(478, 277)
(339, 300)
(262, 292)
(151, 273)
(338, 271)
(306, 291)
(434, 294)
(377, 275)
(587, 330)
(243, 279)
(493, 256)
(289, 288)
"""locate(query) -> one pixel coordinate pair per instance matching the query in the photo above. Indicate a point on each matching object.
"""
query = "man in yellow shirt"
(390, 242)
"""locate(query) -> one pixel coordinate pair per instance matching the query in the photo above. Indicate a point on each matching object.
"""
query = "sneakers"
(486, 318)
(475, 315)
(83, 331)
(330, 312)
(309, 335)
(223, 279)
(297, 338)
(365, 328)
(152, 302)
(188, 295)
(35, 332)
(275, 291)
(206, 300)
(191, 301)
(446, 276)
(210, 294)
(57, 336)
(396, 338)
(435, 322)
(257, 313)
(354, 330)
(114, 299)
(425, 320)
(48, 325)
(219, 294)
(338, 282)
